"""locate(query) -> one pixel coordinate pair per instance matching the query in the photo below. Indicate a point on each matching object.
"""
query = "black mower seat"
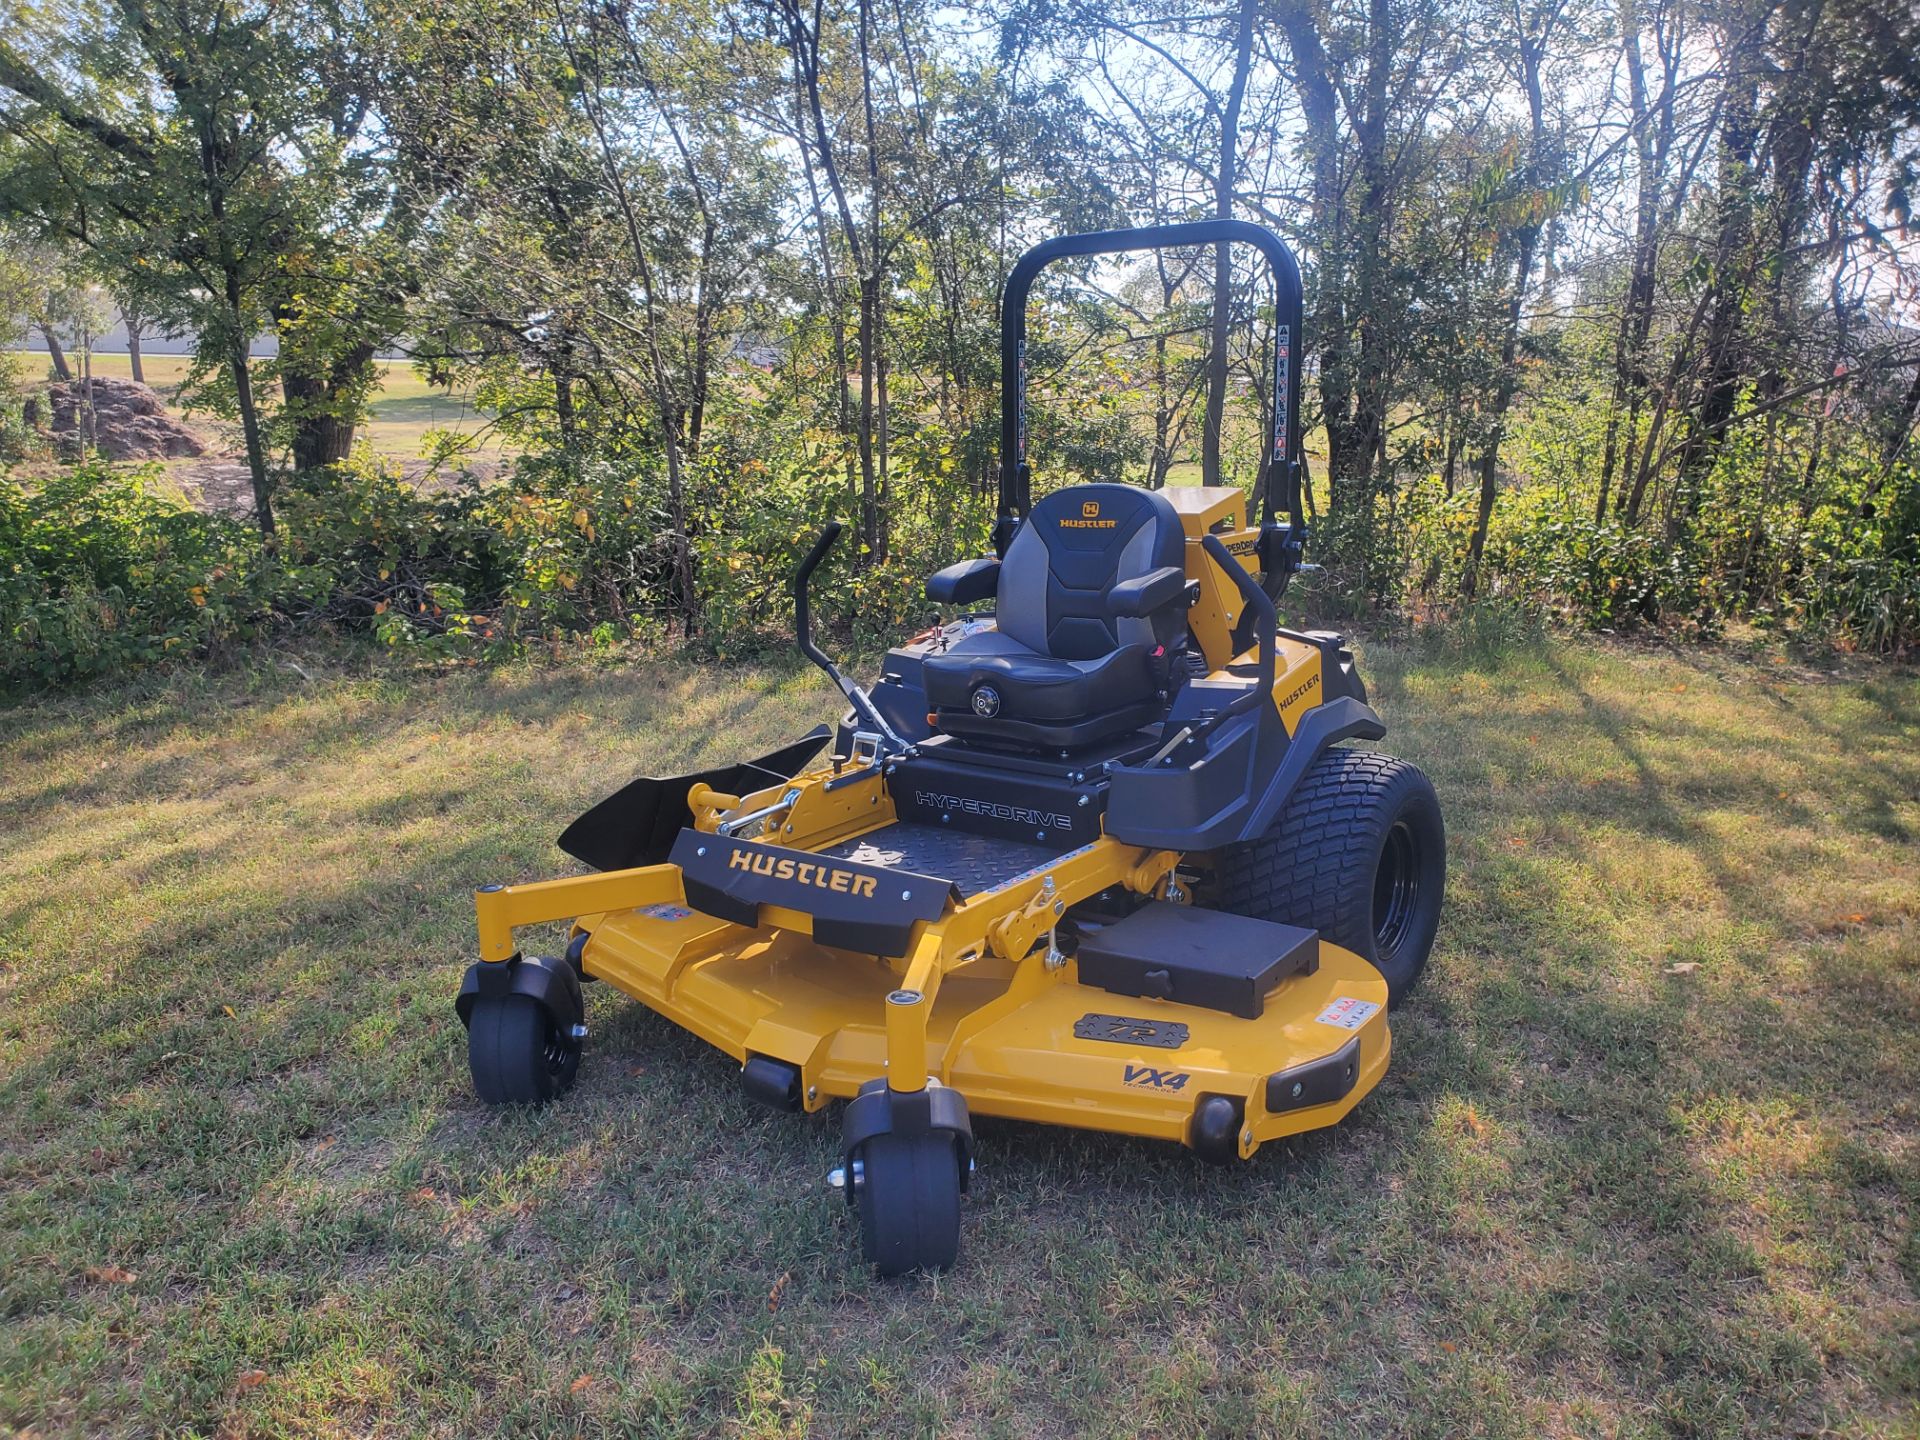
(1088, 598)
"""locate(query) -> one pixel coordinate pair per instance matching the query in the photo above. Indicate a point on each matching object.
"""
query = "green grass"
(403, 410)
(1645, 1163)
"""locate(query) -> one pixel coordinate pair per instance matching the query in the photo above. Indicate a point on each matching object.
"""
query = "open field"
(403, 411)
(1646, 1164)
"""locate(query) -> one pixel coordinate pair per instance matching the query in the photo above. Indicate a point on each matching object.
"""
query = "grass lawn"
(404, 407)
(1646, 1162)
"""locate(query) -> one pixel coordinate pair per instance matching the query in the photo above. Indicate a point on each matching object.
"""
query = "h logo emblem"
(1090, 508)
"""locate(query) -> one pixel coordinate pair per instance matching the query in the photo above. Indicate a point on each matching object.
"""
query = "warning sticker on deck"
(665, 912)
(1347, 1013)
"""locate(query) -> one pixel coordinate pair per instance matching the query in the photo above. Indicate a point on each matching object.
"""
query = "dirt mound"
(130, 421)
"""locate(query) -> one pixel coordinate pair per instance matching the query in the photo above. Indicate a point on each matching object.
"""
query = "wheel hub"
(1396, 888)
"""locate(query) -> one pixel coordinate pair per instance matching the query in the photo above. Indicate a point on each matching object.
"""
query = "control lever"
(863, 706)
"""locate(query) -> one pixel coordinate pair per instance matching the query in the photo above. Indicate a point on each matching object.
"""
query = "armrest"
(1143, 595)
(965, 583)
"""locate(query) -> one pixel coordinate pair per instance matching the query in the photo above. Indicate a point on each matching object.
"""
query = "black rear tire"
(909, 1191)
(518, 1056)
(1358, 853)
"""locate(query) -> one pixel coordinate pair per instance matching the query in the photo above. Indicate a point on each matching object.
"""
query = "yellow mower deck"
(973, 1005)
(1003, 1035)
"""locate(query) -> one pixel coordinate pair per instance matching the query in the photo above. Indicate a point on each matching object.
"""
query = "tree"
(205, 154)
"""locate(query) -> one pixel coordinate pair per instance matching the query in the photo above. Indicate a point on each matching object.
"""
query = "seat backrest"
(1075, 545)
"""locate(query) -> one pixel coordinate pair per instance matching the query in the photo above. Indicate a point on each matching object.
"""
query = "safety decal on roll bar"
(1347, 1013)
(1282, 388)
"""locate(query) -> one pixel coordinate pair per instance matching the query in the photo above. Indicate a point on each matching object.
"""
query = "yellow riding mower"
(1095, 858)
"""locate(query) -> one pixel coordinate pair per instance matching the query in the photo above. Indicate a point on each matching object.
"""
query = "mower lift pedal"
(1197, 957)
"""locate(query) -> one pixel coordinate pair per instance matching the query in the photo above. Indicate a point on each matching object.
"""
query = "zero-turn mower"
(1096, 857)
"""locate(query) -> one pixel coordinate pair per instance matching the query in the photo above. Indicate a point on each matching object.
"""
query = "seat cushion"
(1003, 679)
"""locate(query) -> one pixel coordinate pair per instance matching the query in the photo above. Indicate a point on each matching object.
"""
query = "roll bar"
(1283, 463)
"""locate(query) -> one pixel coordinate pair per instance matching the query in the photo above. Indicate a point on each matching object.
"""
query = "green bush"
(101, 570)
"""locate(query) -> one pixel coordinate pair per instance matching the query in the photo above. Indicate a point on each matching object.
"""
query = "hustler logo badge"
(781, 867)
(1089, 518)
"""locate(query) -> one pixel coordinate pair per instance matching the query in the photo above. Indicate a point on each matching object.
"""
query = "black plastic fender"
(1320, 729)
(550, 982)
(881, 1110)
(1249, 770)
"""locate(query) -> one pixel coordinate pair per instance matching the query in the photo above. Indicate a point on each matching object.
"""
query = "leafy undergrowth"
(1645, 1163)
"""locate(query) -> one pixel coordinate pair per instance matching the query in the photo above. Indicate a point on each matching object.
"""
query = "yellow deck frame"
(975, 1003)
(992, 1018)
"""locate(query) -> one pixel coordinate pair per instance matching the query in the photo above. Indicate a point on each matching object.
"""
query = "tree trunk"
(1532, 51)
(132, 321)
(805, 45)
(1224, 176)
(1651, 145)
(872, 381)
(680, 555)
(869, 496)
(1320, 106)
(1371, 328)
(564, 413)
(1722, 358)
(836, 315)
(249, 420)
(61, 370)
(320, 406)
(88, 417)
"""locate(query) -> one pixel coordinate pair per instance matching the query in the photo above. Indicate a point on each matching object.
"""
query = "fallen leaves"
(779, 1289)
(110, 1275)
(249, 1380)
(1683, 967)
(580, 1384)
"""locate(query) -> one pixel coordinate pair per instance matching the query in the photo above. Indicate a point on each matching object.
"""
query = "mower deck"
(1012, 1037)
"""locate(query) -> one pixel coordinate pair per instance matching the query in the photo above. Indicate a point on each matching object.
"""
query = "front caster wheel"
(517, 1054)
(908, 1190)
